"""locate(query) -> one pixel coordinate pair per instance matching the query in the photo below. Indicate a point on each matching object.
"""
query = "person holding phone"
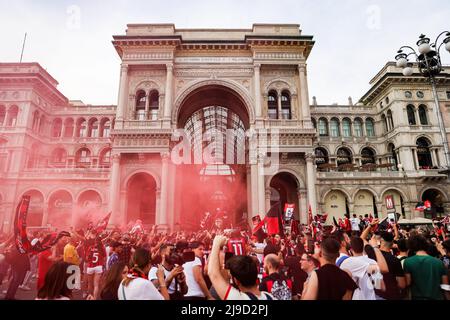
(197, 289)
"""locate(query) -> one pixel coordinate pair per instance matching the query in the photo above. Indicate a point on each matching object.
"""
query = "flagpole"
(23, 47)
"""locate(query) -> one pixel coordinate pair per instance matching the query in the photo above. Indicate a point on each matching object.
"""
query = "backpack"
(281, 290)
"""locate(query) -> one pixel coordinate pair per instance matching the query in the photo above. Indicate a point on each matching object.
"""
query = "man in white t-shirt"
(364, 271)
(197, 288)
(244, 274)
(175, 279)
(355, 223)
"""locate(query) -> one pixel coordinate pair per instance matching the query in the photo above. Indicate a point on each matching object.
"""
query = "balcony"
(80, 171)
(295, 124)
(142, 124)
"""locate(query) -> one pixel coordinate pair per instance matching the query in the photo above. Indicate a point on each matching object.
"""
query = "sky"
(354, 38)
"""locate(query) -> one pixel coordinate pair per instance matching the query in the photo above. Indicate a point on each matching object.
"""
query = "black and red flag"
(274, 221)
(23, 244)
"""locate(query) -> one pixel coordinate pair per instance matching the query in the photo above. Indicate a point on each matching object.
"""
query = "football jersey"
(237, 246)
(95, 255)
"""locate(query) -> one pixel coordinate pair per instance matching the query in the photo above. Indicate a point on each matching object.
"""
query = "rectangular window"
(448, 95)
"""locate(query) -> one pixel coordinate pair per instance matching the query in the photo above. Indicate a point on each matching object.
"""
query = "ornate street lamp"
(428, 60)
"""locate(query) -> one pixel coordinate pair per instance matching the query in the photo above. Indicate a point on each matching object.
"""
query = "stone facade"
(71, 157)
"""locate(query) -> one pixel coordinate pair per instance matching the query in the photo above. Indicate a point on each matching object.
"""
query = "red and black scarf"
(135, 273)
(23, 244)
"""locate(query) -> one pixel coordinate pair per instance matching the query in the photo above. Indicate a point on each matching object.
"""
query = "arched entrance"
(60, 209)
(437, 200)
(141, 199)
(284, 188)
(88, 208)
(336, 205)
(213, 176)
(35, 209)
(398, 205)
(364, 203)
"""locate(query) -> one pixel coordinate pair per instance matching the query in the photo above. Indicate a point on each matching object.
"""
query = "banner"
(288, 211)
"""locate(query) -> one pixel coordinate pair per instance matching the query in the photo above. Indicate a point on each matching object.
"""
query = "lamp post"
(428, 60)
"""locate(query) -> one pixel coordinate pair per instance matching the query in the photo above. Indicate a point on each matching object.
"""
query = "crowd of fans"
(359, 262)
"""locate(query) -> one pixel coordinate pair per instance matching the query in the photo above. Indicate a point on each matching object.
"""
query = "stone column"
(379, 206)
(261, 187)
(416, 159)
(168, 92)
(280, 115)
(257, 83)
(406, 159)
(249, 192)
(268, 193)
(45, 215)
(302, 207)
(311, 182)
(123, 95)
(304, 96)
(254, 190)
(433, 156)
(162, 214)
(147, 105)
(114, 190)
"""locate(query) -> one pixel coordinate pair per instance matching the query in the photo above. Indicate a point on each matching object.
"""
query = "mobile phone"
(228, 256)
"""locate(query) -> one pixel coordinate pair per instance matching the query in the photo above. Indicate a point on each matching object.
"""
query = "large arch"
(364, 202)
(438, 200)
(60, 206)
(88, 207)
(150, 172)
(399, 198)
(284, 187)
(336, 203)
(141, 199)
(232, 87)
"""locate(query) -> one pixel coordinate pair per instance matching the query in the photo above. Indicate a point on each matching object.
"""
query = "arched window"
(68, 128)
(357, 126)
(423, 115)
(335, 128)
(56, 128)
(59, 157)
(13, 112)
(393, 157)
(390, 120)
(286, 105)
(83, 158)
(321, 157)
(141, 100)
(385, 123)
(154, 105)
(93, 128)
(2, 115)
(272, 105)
(344, 156)
(411, 111)
(370, 128)
(82, 128)
(346, 128)
(106, 128)
(367, 156)
(105, 158)
(424, 153)
(323, 127)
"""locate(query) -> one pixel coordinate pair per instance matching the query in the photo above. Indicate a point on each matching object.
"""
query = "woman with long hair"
(56, 283)
(111, 281)
(136, 286)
